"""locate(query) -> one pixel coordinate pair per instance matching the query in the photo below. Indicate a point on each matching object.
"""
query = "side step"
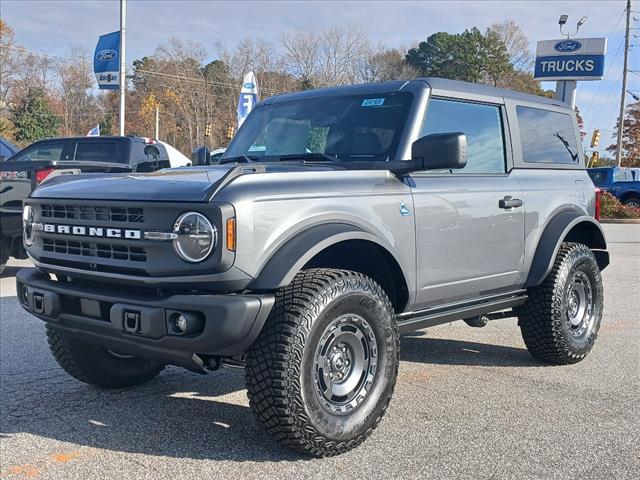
(410, 321)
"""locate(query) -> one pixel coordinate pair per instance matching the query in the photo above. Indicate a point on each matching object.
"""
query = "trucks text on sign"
(570, 59)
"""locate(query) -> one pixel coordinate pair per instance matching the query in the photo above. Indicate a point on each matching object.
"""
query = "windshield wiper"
(308, 157)
(238, 159)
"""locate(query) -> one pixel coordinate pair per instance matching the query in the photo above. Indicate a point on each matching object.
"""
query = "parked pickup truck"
(335, 220)
(622, 183)
(27, 169)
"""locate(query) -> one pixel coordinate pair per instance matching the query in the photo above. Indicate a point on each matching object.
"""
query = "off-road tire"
(545, 319)
(97, 366)
(280, 365)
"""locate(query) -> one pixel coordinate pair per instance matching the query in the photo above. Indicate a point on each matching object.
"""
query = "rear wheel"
(98, 366)
(322, 371)
(561, 318)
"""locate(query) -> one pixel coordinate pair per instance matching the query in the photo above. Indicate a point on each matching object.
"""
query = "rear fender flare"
(552, 237)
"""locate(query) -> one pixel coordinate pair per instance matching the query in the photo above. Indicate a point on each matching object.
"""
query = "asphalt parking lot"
(470, 403)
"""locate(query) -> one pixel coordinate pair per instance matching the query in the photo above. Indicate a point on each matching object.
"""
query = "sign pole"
(566, 92)
(122, 74)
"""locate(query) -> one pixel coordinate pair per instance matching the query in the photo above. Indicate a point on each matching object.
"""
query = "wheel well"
(588, 234)
(369, 259)
(628, 195)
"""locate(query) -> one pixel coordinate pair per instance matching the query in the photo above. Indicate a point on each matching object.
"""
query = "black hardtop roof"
(133, 138)
(398, 85)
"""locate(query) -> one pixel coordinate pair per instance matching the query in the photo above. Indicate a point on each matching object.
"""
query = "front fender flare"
(552, 237)
(289, 259)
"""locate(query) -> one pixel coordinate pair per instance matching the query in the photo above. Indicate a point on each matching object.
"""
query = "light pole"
(122, 74)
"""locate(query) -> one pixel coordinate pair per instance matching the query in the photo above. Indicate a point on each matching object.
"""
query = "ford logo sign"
(249, 85)
(567, 46)
(106, 55)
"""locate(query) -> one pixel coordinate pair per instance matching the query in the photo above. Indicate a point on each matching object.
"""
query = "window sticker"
(372, 102)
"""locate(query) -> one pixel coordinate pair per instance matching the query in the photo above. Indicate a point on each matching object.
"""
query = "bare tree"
(78, 106)
(383, 64)
(516, 42)
(330, 57)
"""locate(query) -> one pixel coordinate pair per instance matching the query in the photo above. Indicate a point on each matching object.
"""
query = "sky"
(53, 26)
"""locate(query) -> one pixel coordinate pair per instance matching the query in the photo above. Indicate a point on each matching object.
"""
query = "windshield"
(348, 128)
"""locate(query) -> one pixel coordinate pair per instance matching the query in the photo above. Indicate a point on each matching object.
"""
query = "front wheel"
(322, 371)
(633, 202)
(561, 318)
(98, 366)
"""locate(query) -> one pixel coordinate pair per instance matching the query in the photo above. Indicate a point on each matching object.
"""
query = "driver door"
(468, 245)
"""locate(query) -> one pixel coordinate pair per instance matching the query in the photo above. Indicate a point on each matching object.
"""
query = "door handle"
(508, 202)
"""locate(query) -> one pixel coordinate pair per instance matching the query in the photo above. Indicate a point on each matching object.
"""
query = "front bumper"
(101, 314)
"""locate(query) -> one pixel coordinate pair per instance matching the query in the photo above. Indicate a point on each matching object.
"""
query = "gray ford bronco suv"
(336, 220)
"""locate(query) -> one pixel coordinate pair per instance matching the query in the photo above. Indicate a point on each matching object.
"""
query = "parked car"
(216, 155)
(367, 211)
(28, 168)
(619, 182)
(176, 157)
(7, 149)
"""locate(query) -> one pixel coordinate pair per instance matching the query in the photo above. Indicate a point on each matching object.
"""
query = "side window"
(482, 124)
(97, 152)
(43, 151)
(546, 136)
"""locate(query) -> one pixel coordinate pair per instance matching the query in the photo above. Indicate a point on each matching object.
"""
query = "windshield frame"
(406, 132)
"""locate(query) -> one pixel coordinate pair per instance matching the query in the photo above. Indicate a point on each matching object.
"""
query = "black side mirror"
(441, 151)
(200, 156)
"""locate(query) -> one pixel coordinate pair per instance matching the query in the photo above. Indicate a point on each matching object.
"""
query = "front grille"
(95, 249)
(93, 213)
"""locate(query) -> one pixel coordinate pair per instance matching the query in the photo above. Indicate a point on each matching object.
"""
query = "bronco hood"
(194, 184)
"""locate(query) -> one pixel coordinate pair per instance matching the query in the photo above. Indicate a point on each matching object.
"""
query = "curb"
(621, 220)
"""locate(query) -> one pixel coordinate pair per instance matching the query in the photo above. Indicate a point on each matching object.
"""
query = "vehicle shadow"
(420, 349)
(10, 271)
(179, 414)
(185, 415)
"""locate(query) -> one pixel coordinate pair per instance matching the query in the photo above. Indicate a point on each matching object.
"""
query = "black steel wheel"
(322, 371)
(561, 318)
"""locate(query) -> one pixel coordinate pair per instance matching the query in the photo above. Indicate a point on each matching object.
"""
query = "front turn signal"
(231, 234)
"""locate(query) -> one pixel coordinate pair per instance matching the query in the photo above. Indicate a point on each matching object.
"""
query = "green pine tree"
(33, 118)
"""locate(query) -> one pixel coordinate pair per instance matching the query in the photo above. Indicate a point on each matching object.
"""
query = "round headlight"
(196, 237)
(28, 229)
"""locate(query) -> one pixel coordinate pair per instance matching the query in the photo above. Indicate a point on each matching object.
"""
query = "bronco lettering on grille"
(92, 231)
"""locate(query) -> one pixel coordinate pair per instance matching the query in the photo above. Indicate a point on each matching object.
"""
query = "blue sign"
(106, 61)
(248, 97)
(564, 46)
(558, 67)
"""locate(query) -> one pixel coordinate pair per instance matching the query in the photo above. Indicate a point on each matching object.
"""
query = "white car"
(216, 155)
(176, 158)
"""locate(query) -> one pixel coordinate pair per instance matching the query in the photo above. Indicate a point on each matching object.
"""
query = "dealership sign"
(106, 61)
(571, 59)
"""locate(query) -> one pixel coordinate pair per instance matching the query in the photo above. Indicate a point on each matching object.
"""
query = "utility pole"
(624, 88)
(157, 131)
(123, 64)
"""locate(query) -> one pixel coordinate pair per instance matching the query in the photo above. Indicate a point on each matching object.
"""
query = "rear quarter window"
(101, 151)
(547, 137)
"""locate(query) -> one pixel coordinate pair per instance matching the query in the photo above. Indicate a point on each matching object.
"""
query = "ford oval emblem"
(249, 85)
(567, 46)
(106, 55)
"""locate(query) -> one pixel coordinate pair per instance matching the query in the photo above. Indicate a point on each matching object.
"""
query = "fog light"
(181, 323)
(184, 323)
